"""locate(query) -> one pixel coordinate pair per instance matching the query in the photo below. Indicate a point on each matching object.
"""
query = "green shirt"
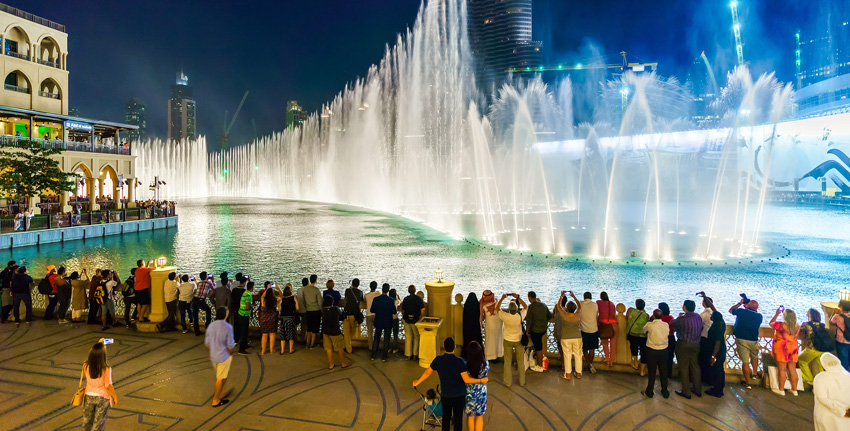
(538, 317)
(635, 322)
(245, 303)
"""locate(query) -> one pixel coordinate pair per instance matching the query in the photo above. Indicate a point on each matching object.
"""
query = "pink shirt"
(97, 387)
(607, 311)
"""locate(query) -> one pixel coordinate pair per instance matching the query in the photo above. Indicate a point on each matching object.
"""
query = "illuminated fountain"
(411, 138)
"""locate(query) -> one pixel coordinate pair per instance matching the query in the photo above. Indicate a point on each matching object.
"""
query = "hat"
(50, 268)
(752, 305)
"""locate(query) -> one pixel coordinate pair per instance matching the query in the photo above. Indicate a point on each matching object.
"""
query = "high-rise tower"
(135, 114)
(500, 37)
(181, 110)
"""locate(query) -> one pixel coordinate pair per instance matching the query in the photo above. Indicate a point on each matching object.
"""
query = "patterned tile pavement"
(164, 382)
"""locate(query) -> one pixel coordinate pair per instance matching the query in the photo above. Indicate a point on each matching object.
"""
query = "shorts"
(747, 349)
(332, 342)
(143, 297)
(314, 321)
(108, 305)
(590, 340)
(537, 340)
(222, 369)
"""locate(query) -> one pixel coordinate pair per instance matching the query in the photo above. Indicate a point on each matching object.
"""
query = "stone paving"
(164, 382)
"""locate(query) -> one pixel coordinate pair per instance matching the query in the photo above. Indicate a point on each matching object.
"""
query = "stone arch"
(50, 88)
(15, 32)
(47, 43)
(83, 167)
(87, 177)
(18, 79)
(111, 186)
(108, 169)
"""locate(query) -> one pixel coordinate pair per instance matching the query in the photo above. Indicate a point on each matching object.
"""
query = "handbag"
(524, 340)
(80, 395)
(606, 331)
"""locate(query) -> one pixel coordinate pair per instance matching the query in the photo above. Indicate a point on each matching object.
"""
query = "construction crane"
(736, 26)
(624, 66)
(225, 131)
(797, 55)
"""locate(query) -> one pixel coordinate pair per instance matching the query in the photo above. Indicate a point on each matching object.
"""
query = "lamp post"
(161, 261)
(843, 295)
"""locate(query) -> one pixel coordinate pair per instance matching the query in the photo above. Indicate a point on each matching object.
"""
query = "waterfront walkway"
(164, 382)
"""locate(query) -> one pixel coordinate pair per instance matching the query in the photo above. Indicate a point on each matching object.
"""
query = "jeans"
(513, 348)
(453, 412)
(411, 340)
(377, 340)
(128, 308)
(198, 305)
(842, 350)
(94, 311)
(16, 305)
(64, 296)
(52, 300)
(805, 360)
(185, 308)
(241, 327)
(656, 360)
(689, 372)
(171, 319)
(395, 334)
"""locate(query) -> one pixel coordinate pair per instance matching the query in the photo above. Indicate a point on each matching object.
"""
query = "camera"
(744, 297)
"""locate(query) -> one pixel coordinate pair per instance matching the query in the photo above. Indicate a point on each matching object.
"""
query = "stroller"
(432, 408)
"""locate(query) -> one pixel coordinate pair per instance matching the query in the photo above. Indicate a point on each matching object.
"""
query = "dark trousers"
(199, 304)
(395, 334)
(453, 412)
(656, 360)
(717, 373)
(52, 301)
(376, 339)
(128, 305)
(171, 319)
(704, 358)
(687, 354)
(16, 305)
(671, 353)
(4, 312)
(241, 328)
(94, 310)
(64, 296)
(185, 308)
(637, 345)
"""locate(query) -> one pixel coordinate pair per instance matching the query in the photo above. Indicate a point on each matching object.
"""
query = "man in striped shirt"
(199, 302)
(688, 328)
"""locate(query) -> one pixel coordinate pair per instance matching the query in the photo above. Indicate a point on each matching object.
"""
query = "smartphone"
(191, 277)
(108, 340)
(274, 285)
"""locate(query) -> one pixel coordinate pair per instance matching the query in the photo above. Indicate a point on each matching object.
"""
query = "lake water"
(284, 241)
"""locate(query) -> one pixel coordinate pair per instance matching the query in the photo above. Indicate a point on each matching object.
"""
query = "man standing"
(513, 337)
(219, 339)
(128, 295)
(383, 307)
(52, 298)
(243, 319)
(589, 330)
(20, 286)
(185, 293)
(353, 318)
(746, 332)
(143, 289)
(688, 328)
(656, 331)
(221, 294)
(538, 322)
(332, 293)
(313, 304)
(453, 380)
(169, 293)
(705, 346)
(199, 301)
(6, 288)
(412, 309)
(302, 310)
(370, 317)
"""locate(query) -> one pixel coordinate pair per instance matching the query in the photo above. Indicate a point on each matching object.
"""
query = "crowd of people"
(512, 330)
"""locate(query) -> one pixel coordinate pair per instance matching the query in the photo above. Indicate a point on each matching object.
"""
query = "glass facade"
(181, 111)
(500, 37)
(135, 114)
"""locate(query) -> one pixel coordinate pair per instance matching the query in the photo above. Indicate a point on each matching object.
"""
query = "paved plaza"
(164, 382)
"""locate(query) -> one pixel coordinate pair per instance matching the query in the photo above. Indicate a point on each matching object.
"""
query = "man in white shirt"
(513, 336)
(185, 293)
(169, 291)
(656, 331)
(589, 329)
(370, 317)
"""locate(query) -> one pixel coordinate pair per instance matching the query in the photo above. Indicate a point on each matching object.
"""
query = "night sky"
(308, 50)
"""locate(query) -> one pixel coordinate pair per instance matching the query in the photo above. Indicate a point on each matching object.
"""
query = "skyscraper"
(181, 110)
(823, 62)
(295, 115)
(135, 115)
(500, 37)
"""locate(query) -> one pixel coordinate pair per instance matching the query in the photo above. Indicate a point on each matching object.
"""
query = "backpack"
(846, 325)
(821, 340)
(44, 286)
(128, 287)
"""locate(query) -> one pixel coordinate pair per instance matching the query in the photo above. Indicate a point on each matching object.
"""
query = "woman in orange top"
(786, 349)
(100, 394)
(608, 328)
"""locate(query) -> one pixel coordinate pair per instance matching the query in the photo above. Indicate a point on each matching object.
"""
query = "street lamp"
(161, 261)
(844, 295)
(439, 274)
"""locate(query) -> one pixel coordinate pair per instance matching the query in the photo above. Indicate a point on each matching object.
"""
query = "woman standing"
(666, 317)
(79, 302)
(815, 342)
(288, 308)
(571, 334)
(717, 363)
(476, 393)
(397, 301)
(636, 319)
(268, 316)
(471, 322)
(492, 325)
(63, 291)
(609, 329)
(100, 394)
(785, 348)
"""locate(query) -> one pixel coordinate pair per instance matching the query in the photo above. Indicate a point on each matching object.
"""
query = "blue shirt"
(450, 367)
(384, 309)
(219, 338)
(333, 293)
(747, 324)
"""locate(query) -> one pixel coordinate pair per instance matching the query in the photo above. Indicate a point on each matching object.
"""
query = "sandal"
(221, 403)
(346, 365)
(331, 367)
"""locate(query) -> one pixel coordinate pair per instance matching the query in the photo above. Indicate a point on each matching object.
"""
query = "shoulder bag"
(80, 395)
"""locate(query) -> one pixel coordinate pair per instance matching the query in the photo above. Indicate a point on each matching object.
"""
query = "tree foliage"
(30, 171)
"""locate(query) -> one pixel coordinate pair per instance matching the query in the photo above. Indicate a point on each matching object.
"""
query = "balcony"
(17, 55)
(24, 90)
(50, 63)
(30, 17)
(48, 95)
(88, 147)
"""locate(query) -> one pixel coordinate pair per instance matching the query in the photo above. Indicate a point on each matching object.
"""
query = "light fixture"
(161, 261)
(844, 295)
(439, 274)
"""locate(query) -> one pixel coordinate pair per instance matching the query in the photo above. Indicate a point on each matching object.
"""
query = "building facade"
(500, 38)
(33, 62)
(295, 115)
(823, 63)
(135, 114)
(181, 111)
